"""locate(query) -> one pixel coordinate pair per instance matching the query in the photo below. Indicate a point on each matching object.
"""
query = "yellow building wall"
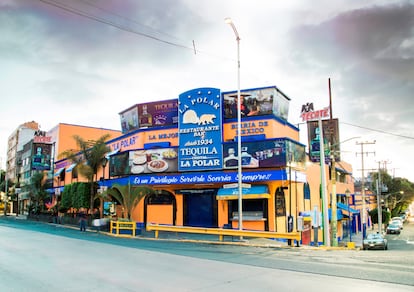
(160, 214)
(137, 213)
(269, 127)
(222, 211)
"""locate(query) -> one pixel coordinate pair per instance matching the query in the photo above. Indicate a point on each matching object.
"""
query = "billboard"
(155, 114)
(41, 156)
(330, 137)
(152, 114)
(200, 130)
(256, 102)
(129, 120)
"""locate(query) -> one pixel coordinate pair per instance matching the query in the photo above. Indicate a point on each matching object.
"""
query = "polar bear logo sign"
(190, 117)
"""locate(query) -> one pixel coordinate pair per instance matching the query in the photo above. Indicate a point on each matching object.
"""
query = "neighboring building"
(62, 140)
(23, 134)
(32, 150)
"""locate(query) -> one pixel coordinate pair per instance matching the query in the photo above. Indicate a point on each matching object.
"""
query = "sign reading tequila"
(199, 124)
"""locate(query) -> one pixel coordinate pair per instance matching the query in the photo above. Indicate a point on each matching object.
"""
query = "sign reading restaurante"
(199, 124)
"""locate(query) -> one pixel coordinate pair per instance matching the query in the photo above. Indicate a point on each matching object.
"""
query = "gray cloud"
(372, 49)
(115, 35)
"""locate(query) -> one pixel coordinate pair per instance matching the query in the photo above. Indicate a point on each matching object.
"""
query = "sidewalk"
(260, 242)
(214, 239)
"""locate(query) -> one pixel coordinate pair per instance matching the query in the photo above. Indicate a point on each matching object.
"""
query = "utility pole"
(364, 211)
(334, 219)
(379, 192)
(326, 237)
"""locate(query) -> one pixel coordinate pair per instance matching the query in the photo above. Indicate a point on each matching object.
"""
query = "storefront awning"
(71, 167)
(59, 171)
(339, 215)
(342, 170)
(254, 192)
(344, 207)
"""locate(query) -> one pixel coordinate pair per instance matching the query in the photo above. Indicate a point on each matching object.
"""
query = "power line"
(377, 130)
(82, 13)
(108, 22)
(129, 19)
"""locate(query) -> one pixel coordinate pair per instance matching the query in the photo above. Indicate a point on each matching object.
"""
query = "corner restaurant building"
(186, 150)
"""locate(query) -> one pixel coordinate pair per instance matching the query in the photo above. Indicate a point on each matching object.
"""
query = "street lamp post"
(103, 187)
(104, 162)
(229, 21)
(348, 195)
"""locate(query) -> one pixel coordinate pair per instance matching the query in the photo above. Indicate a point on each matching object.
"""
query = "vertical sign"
(199, 130)
(330, 136)
(41, 156)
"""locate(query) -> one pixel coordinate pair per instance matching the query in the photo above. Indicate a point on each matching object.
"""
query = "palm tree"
(88, 158)
(128, 196)
(37, 191)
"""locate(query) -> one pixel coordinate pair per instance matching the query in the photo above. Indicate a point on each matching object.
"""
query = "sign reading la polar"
(200, 134)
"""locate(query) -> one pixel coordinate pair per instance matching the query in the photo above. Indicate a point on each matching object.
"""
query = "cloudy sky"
(84, 61)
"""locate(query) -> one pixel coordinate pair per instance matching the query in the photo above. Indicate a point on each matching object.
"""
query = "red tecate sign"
(315, 115)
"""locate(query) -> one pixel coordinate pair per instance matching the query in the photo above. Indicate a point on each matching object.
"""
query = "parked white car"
(397, 220)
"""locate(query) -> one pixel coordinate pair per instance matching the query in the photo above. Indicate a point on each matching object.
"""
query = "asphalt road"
(46, 257)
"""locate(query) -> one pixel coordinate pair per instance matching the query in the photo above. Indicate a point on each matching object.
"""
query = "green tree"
(386, 216)
(88, 158)
(10, 183)
(66, 200)
(399, 194)
(37, 192)
(128, 196)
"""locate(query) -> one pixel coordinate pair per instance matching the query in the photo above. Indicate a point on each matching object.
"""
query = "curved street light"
(229, 21)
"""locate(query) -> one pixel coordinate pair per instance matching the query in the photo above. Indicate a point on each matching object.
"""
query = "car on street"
(397, 220)
(403, 216)
(393, 228)
(375, 241)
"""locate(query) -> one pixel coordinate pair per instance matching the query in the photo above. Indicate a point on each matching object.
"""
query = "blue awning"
(254, 192)
(342, 170)
(157, 145)
(344, 207)
(71, 167)
(339, 215)
(59, 171)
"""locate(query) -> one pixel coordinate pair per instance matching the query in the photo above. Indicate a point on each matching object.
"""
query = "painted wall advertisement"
(159, 160)
(263, 154)
(199, 130)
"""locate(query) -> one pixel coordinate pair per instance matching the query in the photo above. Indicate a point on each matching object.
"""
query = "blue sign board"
(200, 130)
(206, 178)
